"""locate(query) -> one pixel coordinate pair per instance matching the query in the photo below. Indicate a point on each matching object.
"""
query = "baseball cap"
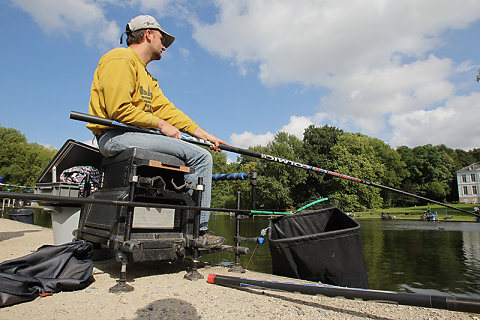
(147, 22)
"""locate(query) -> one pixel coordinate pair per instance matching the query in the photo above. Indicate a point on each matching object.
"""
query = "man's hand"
(202, 134)
(169, 130)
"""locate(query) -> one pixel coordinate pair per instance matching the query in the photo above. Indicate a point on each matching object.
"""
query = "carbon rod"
(452, 303)
(62, 200)
(51, 199)
(115, 124)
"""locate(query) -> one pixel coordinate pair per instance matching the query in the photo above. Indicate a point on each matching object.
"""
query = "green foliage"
(370, 159)
(277, 183)
(436, 190)
(317, 145)
(432, 169)
(21, 162)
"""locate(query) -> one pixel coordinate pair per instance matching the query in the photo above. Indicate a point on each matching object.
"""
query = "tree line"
(21, 162)
(427, 170)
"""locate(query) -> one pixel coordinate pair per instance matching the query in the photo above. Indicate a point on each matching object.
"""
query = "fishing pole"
(127, 127)
(445, 302)
(53, 199)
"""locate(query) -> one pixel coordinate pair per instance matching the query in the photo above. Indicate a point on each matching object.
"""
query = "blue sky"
(401, 71)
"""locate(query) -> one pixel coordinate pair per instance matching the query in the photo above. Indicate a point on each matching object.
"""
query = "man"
(124, 90)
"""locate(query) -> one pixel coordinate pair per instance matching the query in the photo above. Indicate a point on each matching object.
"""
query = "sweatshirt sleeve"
(165, 110)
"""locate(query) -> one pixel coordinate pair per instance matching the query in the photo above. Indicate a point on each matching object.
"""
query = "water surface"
(408, 256)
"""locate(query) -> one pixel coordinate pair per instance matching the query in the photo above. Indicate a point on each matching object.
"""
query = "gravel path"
(161, 292)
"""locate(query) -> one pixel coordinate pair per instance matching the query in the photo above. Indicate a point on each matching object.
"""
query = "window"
(474, 189)
(465, 190)
(473, 177)
(464, 178)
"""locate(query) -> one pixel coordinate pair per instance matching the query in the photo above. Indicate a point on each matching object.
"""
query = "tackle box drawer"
(58, 189)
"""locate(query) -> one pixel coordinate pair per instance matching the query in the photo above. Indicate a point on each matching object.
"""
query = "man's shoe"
(213, 241)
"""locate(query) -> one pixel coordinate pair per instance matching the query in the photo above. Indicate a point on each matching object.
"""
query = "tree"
(21, 162)
(436, 190)
(369, 159)
(316, 151)
(277, 183)
(428, 164)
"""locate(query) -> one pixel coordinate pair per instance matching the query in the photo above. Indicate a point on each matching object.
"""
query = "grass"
(414, 213)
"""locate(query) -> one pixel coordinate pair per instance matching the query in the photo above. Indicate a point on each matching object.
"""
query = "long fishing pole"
(53, 199)
(127, 127)
(445, 302)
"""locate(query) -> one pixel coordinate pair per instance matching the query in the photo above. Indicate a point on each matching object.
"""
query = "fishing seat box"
(152, 233)
(320, 246)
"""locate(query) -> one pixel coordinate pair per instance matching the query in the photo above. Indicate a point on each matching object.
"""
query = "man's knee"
(205, 156)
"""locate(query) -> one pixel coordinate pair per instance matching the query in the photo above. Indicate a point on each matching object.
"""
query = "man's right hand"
(168, 130)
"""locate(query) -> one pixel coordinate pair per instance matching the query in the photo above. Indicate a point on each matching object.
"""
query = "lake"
(406, 256)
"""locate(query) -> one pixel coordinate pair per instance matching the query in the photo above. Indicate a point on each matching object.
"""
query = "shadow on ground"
(171, 309)
(15, 234)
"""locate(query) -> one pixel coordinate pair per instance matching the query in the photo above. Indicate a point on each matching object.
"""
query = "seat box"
(118, 170)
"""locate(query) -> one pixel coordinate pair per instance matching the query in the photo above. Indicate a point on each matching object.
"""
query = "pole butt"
(211, 278)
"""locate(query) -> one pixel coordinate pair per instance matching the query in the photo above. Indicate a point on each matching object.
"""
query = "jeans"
(115, 141)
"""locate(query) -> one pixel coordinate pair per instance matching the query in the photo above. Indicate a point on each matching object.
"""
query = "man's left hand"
(216, 142)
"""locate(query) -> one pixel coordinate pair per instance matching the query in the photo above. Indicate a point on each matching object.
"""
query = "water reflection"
(409, 256)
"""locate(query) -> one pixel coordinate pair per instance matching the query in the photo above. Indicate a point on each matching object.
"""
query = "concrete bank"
(162, 293)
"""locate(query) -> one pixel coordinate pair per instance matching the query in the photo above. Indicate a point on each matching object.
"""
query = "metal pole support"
(193, 274)
(237, 268)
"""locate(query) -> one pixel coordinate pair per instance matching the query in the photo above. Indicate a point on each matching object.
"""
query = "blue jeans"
(115, 141)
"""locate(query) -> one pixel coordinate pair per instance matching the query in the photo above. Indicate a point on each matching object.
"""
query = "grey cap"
(148, 22)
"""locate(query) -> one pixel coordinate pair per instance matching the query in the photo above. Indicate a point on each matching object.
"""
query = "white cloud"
(88, 17)
(374, 57)
(247, 139)
(365, 98)
(296, 127)
(306, 41)
(73, 16)
(455, 123)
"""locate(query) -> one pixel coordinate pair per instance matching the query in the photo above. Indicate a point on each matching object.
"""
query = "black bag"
(50, 269)
(322, 245)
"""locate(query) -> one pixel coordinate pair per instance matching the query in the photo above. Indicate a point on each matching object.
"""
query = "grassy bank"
(414, 213)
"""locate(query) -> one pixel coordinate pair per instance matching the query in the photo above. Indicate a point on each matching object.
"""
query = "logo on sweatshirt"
(147, 96)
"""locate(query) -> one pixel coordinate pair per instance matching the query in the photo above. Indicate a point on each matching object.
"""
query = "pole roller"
(451, 303)
(115, 124)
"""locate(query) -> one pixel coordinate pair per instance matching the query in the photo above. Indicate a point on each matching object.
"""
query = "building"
(468, 180)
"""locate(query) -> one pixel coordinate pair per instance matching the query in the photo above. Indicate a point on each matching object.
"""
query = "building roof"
(473, 167)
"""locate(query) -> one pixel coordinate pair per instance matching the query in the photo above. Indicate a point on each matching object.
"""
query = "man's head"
(137, 27)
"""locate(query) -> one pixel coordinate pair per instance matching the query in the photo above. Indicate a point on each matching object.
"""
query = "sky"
(401, 71)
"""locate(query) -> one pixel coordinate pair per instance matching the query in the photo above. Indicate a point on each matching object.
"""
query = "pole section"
(452, 303)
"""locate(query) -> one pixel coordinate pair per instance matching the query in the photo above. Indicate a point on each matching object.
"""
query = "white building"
(468, 180)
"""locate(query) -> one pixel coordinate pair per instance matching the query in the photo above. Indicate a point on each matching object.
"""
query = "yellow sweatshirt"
(124, 90)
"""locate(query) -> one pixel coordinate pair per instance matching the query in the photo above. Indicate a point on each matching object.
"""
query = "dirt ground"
(161, 292)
